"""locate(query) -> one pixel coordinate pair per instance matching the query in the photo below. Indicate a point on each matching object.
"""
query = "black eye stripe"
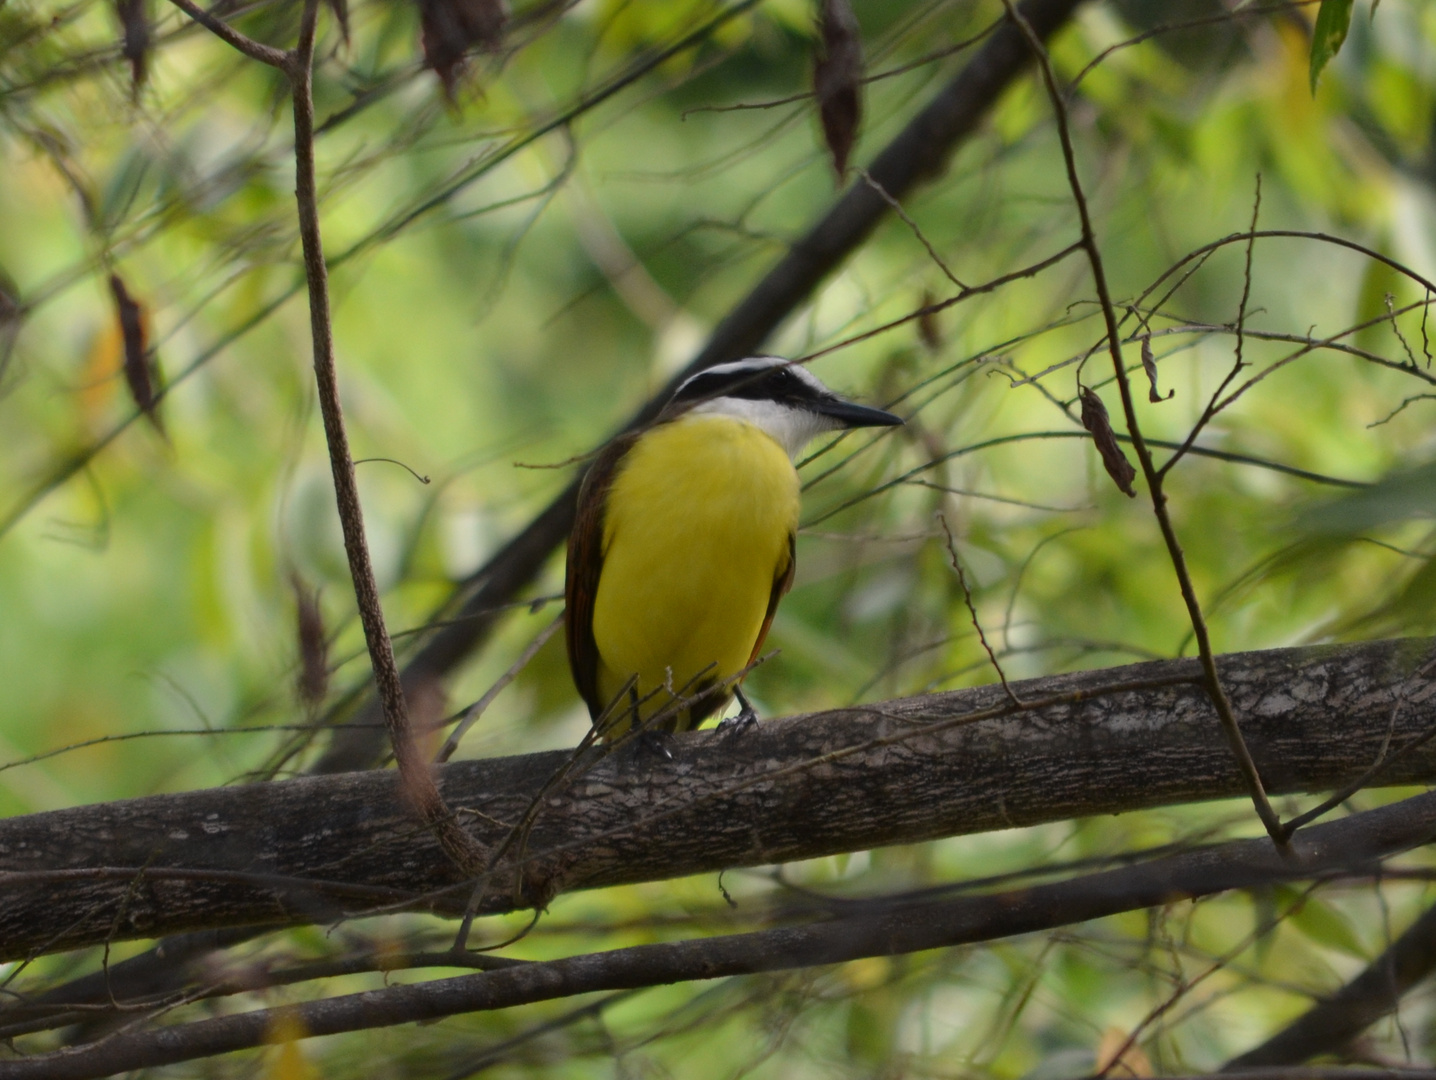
(774, 384)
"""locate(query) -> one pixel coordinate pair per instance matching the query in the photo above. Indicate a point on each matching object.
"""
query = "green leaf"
(1318, 921)
(1332, 22)
(1398, 496)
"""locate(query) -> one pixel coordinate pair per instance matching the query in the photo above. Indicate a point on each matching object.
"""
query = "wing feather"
(585, 563)
(782, 582)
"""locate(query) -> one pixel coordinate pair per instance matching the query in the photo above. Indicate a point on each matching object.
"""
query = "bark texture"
(902, 771)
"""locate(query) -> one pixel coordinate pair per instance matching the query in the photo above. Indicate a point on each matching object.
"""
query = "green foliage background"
(504, 297)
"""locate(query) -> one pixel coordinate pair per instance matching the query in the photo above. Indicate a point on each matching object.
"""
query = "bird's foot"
(655, 743)
(745, 721)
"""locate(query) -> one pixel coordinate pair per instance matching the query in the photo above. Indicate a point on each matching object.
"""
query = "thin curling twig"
(1269, 819)
(255, 50)
(972, 609)
(1217, 402)
(414, 772)
(476, 710)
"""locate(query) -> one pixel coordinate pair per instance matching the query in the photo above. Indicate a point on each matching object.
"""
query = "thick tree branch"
(903, 771)
(1353, 845)
(1331, 1024)
(919, 152)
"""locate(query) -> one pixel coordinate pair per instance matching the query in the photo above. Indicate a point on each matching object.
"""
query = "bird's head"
(781, 397)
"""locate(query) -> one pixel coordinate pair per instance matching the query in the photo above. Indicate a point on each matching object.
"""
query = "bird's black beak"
(850, 414)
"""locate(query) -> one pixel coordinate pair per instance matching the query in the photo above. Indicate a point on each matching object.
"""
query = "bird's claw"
(745, 721)
(654, 742)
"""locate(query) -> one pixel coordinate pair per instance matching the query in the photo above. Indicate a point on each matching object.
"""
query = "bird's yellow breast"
(696, 530)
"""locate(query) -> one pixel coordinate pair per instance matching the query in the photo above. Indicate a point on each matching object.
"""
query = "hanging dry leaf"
(927, 325)
(1149, 365)
(135, 25)
(450, 27)
(313, 682)
(139, 367)
(838, 79)
(1094, 419)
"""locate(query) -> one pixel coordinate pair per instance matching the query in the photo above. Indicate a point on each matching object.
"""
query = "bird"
(684, 543)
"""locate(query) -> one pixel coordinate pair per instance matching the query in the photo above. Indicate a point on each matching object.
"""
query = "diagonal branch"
(255, 50)
(1331, 1024)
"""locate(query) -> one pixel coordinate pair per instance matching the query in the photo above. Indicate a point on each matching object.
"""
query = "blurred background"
(518, 266)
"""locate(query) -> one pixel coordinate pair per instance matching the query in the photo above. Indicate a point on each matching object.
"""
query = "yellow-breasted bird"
(684, 541)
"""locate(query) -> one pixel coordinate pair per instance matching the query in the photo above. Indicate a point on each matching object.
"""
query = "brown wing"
(781, 584)
(585, 562)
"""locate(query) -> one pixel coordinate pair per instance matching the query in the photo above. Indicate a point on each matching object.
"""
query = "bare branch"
(1227, 716)
(419, 783)
(1353, 845)
(966, 761)
(476, 710)
(1376, 992)
(255, 50)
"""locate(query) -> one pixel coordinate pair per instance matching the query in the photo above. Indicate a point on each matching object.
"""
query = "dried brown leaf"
(928, 328)
(838, 79)
(1095, 420)
(451, 27)
(313, 681)
(1149, 365)
(135, 25)
(139, 367)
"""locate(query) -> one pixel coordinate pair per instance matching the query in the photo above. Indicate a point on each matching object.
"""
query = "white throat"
(790, 428)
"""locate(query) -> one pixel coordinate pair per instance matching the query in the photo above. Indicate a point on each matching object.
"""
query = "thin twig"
(1185, 986)
(1396, 328)
(911, 224)
(255, 50)
(1215, 404)
(476, 710)
(418, 782)
(394, 461)
(972, 608)
(1264, 810)
(1186, 24)
(1394, 413)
